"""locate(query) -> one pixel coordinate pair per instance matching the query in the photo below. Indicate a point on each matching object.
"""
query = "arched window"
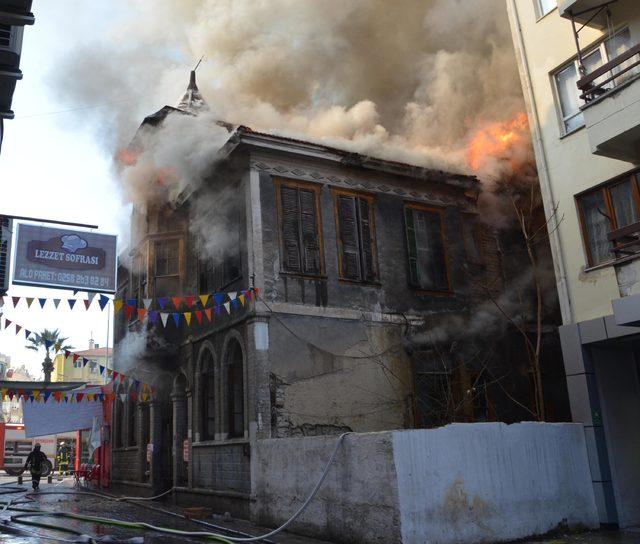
(208, 396)
(132, 420)
(235, 390)
(118, 418)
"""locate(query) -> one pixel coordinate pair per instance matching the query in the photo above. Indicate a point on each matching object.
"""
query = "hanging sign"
(65, 259)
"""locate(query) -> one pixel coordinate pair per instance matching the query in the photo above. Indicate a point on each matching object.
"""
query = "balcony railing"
(626, 241)
(592, 90)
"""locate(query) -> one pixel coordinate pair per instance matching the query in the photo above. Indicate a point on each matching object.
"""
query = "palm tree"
(48, 339)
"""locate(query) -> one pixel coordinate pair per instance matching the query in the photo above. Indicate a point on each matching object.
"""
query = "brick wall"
(222, 468)
(126, 465)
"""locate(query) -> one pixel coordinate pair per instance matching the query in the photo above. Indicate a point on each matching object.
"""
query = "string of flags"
(200, 307)
(103, 300)
(144, 392)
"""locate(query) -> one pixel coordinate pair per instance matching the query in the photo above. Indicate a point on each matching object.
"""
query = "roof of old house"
(193, 103)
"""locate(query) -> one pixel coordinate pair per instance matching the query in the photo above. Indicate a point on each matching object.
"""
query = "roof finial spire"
(192, 100)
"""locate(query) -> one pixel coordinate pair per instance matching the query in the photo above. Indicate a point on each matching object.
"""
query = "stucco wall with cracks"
(463, 483)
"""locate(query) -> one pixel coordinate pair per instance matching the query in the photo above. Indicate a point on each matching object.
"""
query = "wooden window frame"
(316, 188)
(208, 376)
(336, 192)
(605, 189)
(445, 247)
(234, 364)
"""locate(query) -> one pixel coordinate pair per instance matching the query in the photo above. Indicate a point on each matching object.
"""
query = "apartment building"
(579, 65)
(65, 369)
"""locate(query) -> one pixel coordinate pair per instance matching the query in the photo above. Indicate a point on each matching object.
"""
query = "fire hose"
(26, 512)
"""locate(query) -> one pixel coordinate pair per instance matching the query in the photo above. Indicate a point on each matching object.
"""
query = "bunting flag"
(29, 301)
(72, 302)
(189, 301)
(187, 318)
(227, 307)
(162, 302)
(141, 313)
(153, 316)
(15, 301)
(18, 328)
(57, 346)
(87, 303)
(207, 312)
(147, 302)
(117, 304)
(48, 344)
(176, 318)
(27, 333)
(42, 302)
(103, 301)
(7, 322)
(163, 317)
(198, 314)
(204, 299)
(176, 302)
(56, 302)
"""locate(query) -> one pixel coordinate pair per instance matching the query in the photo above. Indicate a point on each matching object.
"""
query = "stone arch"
(234, 390)
(207, 396)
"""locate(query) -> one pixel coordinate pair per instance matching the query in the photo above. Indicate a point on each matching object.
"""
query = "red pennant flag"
(128, 311)
(57, 395)
(207, 312)
(114, 375)
(75, 357)
(18, 328)
(15, 301)
(66, 353)
(134, 396)
(198, 316)
(20, 392)
(141, 313)
(249, 294)
(122, 376)
(10, 393)
(189, 301)
(176, 302)
(87, 303)
(257, 292)
(79, 396)
(7, 322)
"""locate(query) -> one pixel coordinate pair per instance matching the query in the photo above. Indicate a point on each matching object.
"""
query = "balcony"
(626, 240)
(584, 12)
(612, 108)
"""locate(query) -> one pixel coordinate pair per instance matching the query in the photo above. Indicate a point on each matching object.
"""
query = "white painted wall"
(463, 483)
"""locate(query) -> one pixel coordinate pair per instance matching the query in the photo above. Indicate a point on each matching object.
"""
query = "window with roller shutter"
(300, 232)
(426, 248)
(355, 228)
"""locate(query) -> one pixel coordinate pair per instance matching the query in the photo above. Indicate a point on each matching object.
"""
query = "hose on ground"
(200, 534)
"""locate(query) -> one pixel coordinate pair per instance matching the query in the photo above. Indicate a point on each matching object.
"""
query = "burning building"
(353, 268)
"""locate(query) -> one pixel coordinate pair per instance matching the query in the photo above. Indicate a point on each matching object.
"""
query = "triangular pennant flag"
(198, 316)
(128, 311)
(103, 301)
(18, 328)
(176, 302)
(75, 357)
(48, 344)
(31, 398)
(114, 375)
(248, 294)
(56, 303)
(87, 303)
(57, 395)
(109, 372)
(66, 398)
(164, 316)
(72, 302)
(47, 394)
(57, 346)
(3, 393)
(147, 302)
(153, 316)
(66, 353)
(176, 318)
(7, 322)
(256, 291)
(15, 301)
(79, 396)
(207, 312)
(187, 318)
(101, 370)
(227, 306)
(132, 302)
(122, 377)
(141, 313)
(203, 300)
(90, 396)
(136, 384)
(234, 303)
(162, 302)
(42, 302)
(242, 299)
(189, 301)
(27, 333)
(29, 301)
(123, 397)
(117, 304)
(1, 302)
(91, 296)
(10, 394)
(84, 361)
(218, 297)
(232, 295)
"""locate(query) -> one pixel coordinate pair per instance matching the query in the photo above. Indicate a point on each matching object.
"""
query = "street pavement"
(126, 511)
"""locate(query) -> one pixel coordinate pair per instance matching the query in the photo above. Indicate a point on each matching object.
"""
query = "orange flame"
(127, 156)
(496, 140)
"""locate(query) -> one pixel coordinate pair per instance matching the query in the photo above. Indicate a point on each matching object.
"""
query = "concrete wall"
(484, 482)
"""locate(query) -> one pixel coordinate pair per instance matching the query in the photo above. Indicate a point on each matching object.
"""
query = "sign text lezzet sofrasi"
(66, 259)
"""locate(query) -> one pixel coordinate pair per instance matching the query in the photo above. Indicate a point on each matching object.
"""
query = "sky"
(52, 166)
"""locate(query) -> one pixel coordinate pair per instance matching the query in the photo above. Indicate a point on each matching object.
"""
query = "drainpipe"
(542, 164)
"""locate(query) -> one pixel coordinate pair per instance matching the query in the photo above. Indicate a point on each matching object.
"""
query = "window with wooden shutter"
(356, 236)
(426, 248)
(300, 232)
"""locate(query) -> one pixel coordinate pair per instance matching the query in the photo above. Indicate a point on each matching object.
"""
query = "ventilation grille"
(5, 35)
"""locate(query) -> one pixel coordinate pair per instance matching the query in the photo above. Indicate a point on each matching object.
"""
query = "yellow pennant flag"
(57, 346)
(36, 396)
(204, 299)
(117, 305)
(187, 318)
(29, 301)
(241, 299)
(3, 392)
(90, 396)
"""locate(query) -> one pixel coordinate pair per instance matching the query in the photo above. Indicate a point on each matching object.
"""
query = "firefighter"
(35, 463)
(63, 458)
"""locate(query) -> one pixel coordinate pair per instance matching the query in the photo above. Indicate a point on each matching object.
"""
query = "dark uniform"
(35, 464)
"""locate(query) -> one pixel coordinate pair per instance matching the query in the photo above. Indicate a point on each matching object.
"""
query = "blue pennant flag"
(47, 394)
(234, 303)
(103, 301)
(219, 298)
(162, 302)
(48, 344)
(27, 333)
(72, 302)
(84, 361)
(132, 302)
(176, 318)
(42, 302)
(101, 369)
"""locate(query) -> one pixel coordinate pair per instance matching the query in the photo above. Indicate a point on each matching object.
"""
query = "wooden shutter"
(367, 241)
(349, 237)
(290, 229)
(309, 231)
(411, 247)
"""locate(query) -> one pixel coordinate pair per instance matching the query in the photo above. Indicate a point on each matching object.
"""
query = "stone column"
(190, 404)
(155, 438)
(180, 425)
(142, 438)
(257, 378)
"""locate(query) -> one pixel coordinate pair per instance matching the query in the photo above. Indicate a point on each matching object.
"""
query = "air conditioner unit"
(6, 234)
